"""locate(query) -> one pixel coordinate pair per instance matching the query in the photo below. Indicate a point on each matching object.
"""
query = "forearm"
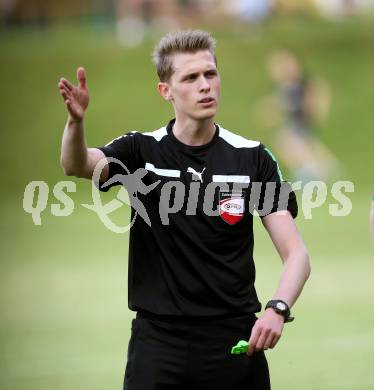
(296, 270)
(73, 149)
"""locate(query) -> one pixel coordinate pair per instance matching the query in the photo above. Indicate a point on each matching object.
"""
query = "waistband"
(192, 319)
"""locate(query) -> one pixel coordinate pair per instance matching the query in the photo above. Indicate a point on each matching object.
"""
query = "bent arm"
(296, 269)
(290, 246)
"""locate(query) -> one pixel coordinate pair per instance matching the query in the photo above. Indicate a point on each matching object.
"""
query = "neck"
(194, 133)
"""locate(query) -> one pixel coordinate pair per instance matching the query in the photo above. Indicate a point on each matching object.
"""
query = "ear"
(164, 90)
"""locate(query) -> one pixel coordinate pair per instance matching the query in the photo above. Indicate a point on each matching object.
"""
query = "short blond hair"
(186, 41)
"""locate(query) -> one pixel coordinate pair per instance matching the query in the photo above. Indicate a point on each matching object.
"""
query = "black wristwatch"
(280, 307)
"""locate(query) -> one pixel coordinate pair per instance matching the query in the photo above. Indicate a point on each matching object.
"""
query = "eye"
(190, 77)
(211, 73)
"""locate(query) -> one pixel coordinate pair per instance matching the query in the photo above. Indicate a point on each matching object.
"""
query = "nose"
(204, 86)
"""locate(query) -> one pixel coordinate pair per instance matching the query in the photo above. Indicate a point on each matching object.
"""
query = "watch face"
(281, 306)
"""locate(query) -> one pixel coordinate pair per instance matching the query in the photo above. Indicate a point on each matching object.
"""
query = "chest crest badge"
(231, 207)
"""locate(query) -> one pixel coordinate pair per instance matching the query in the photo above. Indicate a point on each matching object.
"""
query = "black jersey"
(193, 254)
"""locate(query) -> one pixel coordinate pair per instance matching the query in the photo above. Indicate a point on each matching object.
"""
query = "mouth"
(206, 100)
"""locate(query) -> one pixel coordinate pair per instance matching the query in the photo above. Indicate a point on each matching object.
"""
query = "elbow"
(300, 259)
(304, 260)
(308, 268)
(68, 171)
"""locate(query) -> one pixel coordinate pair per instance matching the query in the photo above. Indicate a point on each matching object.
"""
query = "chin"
(206, 114)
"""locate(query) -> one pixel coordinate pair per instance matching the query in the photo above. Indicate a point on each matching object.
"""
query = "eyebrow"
(193, 74)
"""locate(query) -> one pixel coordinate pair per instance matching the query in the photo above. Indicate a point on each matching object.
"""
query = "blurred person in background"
(137, 18)
(300, 103)
(250, 11)
(25, 12)
(6, 10)
(196, 11)
(340, 8)
(296, 7)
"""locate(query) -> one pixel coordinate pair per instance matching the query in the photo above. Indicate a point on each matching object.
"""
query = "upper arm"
(94, 155)
(122, 157)
(283, 232)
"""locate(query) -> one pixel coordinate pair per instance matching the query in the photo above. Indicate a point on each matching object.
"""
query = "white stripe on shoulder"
(237, 141)
(121, 136)
(157, 134)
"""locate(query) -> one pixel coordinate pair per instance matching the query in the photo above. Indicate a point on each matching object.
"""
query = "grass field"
(63, 292)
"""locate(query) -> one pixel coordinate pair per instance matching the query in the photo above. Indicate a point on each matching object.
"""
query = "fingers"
(64, 91)
(262, 339)
(271, 341)
(253, 340)
(66, 84)
(274, 341)
(67, 101)
(81, 76)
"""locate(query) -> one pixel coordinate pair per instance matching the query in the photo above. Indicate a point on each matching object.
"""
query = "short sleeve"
(125, 150)
(276, 194)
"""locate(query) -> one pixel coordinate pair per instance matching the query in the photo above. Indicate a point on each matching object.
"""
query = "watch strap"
(286, 313)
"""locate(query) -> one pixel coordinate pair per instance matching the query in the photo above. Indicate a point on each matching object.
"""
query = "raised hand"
(76, 98)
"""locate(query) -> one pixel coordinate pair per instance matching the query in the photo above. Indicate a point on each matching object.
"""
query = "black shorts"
(166, 354)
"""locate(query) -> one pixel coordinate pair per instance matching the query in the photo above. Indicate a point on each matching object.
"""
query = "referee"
(191, 276)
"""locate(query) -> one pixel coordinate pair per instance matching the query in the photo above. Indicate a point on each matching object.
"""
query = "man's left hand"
(266, 332)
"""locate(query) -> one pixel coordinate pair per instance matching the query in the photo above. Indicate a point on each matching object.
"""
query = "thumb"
(251, 348)
(253, 340)
(81, 76)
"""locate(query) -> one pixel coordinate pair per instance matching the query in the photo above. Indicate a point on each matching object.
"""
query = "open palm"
(76, 98)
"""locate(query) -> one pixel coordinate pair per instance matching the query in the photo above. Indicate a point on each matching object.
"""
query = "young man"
(191, 273)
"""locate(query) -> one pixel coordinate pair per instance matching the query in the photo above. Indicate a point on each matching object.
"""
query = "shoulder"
(139, 136)
(121, 138)
(156, 135)
(235, 140)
